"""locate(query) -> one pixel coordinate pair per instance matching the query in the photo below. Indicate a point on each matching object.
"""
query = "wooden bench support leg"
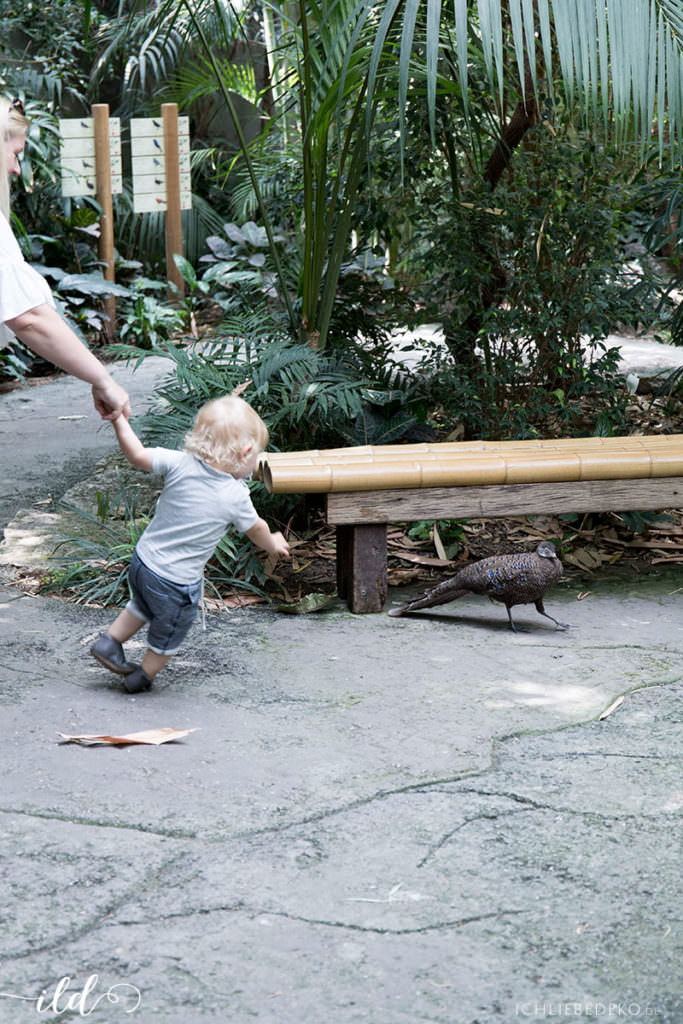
(362, 566)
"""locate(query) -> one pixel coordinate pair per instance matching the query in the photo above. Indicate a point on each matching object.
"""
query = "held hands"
(110, 399)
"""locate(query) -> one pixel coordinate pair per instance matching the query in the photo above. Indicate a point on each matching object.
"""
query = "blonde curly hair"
(222, 431)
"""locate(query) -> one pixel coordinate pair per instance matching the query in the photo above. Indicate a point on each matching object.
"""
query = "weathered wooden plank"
(362, 566)
(500, 500)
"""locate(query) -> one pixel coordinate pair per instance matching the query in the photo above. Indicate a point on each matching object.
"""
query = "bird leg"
(512, 625)
(541, 611)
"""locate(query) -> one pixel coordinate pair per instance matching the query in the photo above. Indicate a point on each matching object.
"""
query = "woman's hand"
(110, 399)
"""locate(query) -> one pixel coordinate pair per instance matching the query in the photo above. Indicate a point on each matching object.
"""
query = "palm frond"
(620, 59)
(195, 81)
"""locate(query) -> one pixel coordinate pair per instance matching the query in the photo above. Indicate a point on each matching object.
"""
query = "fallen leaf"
(655, 545)
(307, 604)
(241, 601)
(613, 707)
(399, 538)
(409, 556)
(438, 544)
(585, 558)
(153, 737)
(295, 542)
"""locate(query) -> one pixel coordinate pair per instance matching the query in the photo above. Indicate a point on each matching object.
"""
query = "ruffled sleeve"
(21, 287)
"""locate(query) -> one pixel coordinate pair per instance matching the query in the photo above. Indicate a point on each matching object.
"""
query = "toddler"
(205, 492)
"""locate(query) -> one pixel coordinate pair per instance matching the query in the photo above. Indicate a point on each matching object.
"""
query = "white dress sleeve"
(21, 287)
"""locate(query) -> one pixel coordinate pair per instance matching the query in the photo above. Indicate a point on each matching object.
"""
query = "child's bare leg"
(153, 663)
(125, 626)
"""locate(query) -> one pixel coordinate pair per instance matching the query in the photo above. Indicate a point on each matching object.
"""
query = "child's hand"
(280, 545)
(274, 543)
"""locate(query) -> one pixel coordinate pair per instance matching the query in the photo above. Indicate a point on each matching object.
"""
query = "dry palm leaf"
(410, 556)
(153, 737)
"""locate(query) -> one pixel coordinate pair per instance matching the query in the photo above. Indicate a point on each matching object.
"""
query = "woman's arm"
(47, 334)
(131, 445)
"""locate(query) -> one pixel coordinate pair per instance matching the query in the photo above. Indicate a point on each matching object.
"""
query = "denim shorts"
(169, 608)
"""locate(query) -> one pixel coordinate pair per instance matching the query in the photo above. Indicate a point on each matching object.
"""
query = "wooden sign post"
(174, 224)
(91, 166)
(100, 112)
(160, 149)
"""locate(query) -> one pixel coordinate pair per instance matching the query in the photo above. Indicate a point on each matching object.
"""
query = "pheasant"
(521, 578)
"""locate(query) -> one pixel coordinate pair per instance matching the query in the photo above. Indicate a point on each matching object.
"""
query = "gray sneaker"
(109, 653)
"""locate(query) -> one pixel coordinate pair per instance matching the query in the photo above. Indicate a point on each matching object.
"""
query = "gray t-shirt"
(195, 508)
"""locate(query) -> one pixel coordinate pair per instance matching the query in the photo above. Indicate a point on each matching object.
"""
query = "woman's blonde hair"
(12, 123)
(223, 429)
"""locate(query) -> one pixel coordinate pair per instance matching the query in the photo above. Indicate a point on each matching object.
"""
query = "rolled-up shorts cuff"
(166, 654)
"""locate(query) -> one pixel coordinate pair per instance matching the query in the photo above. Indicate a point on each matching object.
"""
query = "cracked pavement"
(379, 820)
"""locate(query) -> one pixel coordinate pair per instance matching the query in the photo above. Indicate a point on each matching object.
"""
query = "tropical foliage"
(343, 76)
(493, 167)
(341, 66)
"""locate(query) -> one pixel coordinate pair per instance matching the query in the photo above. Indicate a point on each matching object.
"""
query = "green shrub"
(528, 281)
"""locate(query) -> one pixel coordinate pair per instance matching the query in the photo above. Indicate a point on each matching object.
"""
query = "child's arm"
(273, 543)
(131, 445)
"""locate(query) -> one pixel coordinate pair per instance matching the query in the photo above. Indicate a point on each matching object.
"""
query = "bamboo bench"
(366, 488)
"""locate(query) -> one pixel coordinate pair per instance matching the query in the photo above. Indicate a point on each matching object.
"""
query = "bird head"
(546, 549)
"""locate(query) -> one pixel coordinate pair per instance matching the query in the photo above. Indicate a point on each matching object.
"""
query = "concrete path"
(377, 820)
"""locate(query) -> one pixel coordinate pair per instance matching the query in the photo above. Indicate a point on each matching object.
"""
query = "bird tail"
(441, 594)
